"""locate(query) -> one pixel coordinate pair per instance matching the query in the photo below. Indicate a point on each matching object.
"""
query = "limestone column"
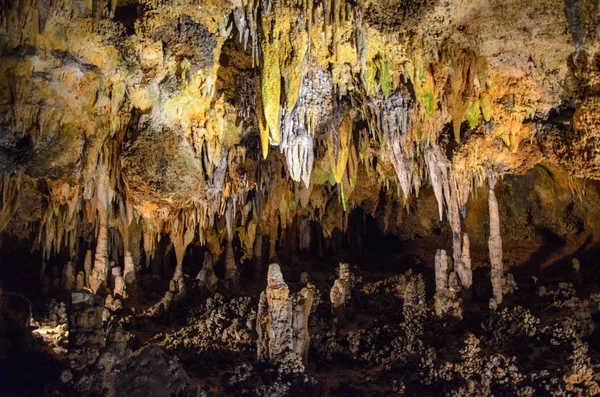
(495, 242)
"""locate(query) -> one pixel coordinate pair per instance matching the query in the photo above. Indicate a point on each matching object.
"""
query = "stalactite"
(299, 124)
(572, 10)
(338, 149)
(495, 242)
(436, 167)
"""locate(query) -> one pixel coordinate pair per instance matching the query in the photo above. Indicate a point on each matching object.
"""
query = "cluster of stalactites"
(298, 126)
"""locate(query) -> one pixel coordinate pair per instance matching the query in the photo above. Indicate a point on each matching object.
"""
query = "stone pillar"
(465, 271)
(206, 278)
(495, 243)
(340, 293)
(282, 322)
(232, 275)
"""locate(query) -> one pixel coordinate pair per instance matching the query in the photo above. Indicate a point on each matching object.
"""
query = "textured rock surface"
(147, 142)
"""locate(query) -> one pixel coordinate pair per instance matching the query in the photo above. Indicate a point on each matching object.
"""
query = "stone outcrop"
(206, 279)
(282, 322)
(340, 293)
(447, 287)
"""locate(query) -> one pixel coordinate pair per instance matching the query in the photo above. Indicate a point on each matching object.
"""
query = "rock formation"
(139, 136)
(340, 293)
(495, 243)
(447, 288)
(282, 322)
(206, 278)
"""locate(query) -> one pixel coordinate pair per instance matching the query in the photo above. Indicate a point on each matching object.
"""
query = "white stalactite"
(394, 122)
(297, 129)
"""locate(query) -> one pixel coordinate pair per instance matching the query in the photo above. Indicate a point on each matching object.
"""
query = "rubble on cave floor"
(393, 341)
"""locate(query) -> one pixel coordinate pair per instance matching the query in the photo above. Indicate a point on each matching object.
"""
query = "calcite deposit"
(409, 169)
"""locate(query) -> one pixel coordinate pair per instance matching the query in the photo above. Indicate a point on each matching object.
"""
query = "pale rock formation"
(181, 236)
(274, 318)
(495, 242)
(337, 296)
(97, 277)
(68, 276)
(87, 267)
(441, 271)
(129, 268)
(80, 282)
(447, 287)
(463, 268)
(302, 306)
(282, 322)
(232, 275)
(120, 287)
(206, 278)
(340, 293)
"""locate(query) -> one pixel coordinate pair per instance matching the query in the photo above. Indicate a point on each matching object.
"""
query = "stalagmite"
(206, 278)
(129, 268)
(340, 293)
(337, 295)
(118, 282)
(257, 248)
(103, 196)
(463, 269)
(282, 322)
(87, 267)
(495, 242)
(181, 238)
(302, 304)
(232, 275)
(68, 276)
(274, 318)
(446, 301)
(80, 283)
(441, 271)
(97, 278)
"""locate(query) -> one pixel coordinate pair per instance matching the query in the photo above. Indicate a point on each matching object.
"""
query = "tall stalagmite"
(495, 242)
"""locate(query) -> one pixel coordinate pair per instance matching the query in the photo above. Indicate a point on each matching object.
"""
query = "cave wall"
(145, 120)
